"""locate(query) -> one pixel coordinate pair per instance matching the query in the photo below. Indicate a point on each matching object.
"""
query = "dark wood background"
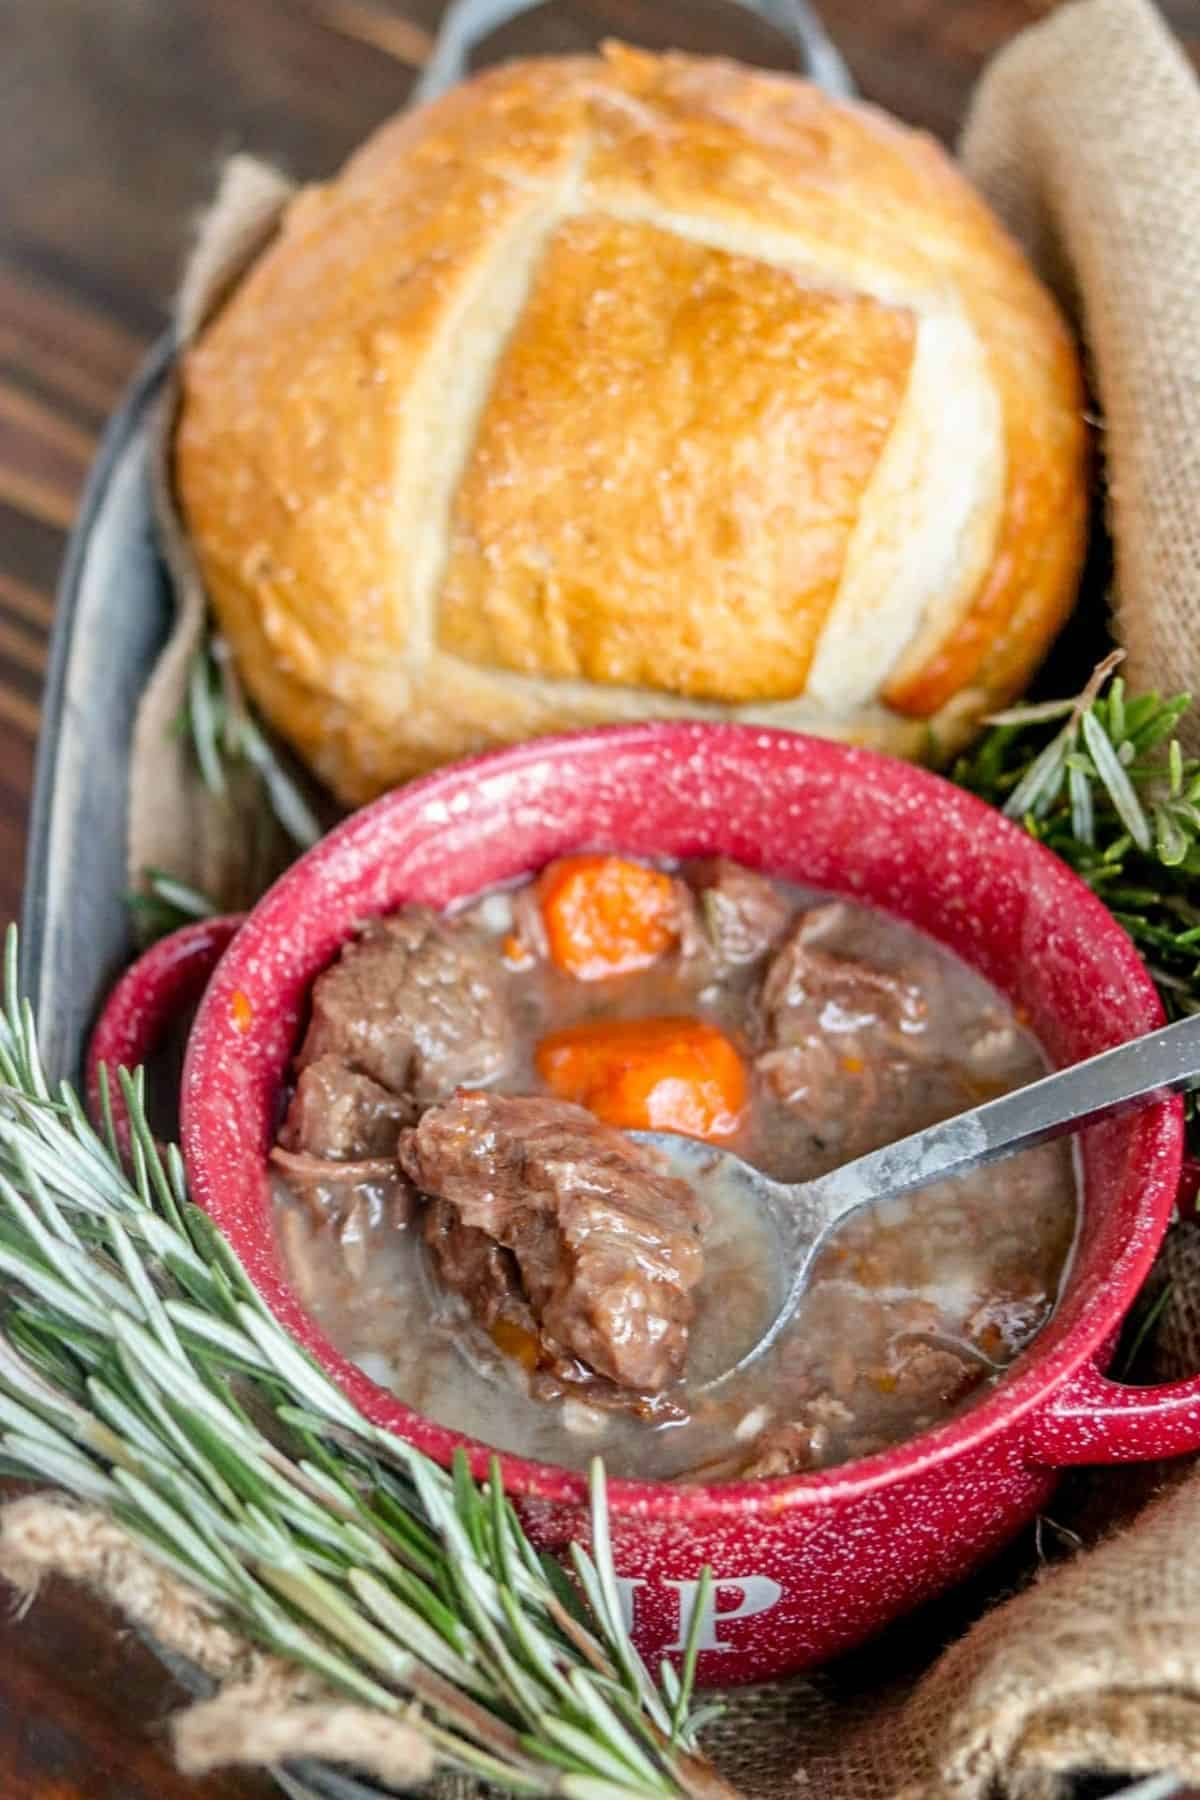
(114, 115)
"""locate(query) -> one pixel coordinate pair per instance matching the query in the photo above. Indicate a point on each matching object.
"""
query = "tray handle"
(466, 22)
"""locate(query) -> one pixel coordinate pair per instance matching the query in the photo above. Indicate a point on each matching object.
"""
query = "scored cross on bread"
(630, 387)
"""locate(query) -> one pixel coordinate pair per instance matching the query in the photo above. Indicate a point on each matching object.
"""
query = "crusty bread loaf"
(629, 387)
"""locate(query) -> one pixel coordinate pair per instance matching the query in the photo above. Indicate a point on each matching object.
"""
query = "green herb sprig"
(226, 734)
(164, 903)
(140, 1371)
(1103, 782)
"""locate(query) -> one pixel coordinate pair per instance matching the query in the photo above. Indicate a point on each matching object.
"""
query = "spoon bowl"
(800, 1217)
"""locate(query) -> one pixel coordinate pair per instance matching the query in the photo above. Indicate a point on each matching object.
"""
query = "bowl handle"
(164, 980)
(1095, 1420)
(1091, 1420)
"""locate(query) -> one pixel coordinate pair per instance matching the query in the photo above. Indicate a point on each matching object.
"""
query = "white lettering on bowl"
(755, 1594)
(758, 1595)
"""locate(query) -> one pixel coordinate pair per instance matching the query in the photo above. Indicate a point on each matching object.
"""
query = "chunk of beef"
(606, 1246)
(843, 1042)
(740, 916)
(474, 1265)
(338, 1144)
(934, 1375)
(337, 1112)
(566, 1381)
(809, 988)
(801, 1442)
(332, 1189)
(417, 1003)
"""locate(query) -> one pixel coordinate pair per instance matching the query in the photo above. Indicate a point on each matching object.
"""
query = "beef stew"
(462, 1213)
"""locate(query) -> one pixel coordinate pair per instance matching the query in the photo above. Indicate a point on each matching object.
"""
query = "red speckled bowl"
(805, 1565)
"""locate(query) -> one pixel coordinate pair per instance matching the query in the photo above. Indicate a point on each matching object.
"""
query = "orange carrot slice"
(606, 915)
(669, 1074)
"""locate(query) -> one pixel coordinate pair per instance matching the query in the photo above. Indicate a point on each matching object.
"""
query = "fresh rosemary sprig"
(1103, 782)
(164, 903)
(136, 1363)
(225, 732)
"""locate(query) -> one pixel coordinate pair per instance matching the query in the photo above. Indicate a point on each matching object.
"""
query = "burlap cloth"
(1085, 134)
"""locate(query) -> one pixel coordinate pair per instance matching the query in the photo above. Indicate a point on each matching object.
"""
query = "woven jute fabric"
(1080, 1650)
(222, 843)
(1085, 135)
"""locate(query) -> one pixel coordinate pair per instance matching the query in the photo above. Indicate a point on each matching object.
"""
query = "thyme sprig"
(140, 1371)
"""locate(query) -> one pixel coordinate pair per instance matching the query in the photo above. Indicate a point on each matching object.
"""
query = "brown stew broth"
(915, 1307)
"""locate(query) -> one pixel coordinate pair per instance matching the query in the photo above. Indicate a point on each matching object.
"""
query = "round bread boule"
(633, 387)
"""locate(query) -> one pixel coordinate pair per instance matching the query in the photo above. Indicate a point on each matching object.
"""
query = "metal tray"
(112, 617)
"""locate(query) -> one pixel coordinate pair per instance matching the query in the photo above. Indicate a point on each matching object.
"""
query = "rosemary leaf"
(224, 733)
(1121, 790)
(287, 803)
(1170, 838)
(1125, 819)
(141, 1371)
(203, 723)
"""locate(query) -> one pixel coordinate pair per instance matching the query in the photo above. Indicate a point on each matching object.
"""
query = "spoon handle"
(1130, 1075)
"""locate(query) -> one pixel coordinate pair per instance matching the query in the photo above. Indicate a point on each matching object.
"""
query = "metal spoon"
(803, 1215)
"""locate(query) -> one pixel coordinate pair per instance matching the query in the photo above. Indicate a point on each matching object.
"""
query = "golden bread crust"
(632, 387)
(669, 468)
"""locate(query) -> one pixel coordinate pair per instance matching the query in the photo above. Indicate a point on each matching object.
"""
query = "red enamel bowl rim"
(1038, 1374)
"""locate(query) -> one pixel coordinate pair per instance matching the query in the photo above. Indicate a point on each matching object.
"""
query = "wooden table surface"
(114, 115)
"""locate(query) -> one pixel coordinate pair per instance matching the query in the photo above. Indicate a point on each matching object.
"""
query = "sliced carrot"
(606, 915)
(649, 1074)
